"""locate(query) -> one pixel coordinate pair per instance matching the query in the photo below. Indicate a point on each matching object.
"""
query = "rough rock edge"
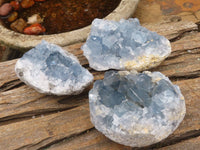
(19, 69)
(129, 140)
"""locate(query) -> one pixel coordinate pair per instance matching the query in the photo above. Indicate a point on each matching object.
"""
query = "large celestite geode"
(136, 109)
(124, 45)
(51, 70)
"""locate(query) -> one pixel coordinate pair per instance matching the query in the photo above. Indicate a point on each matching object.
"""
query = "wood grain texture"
(41, 131)
(30, 120)
(193, 144)
(154, 11)
(189, 127)
(6, 77)
(91, 140)
(171, 30)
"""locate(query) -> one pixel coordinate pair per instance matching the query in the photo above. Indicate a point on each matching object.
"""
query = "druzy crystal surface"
(136, 109)
(124, 45)
(51, 70)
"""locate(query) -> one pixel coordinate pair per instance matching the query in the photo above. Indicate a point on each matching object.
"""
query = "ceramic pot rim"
(20, 41)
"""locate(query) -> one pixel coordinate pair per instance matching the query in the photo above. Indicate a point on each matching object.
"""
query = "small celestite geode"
(124, 45)
(51, 70)
(136, 109)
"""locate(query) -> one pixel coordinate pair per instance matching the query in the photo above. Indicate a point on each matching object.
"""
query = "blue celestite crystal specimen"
(124, 45)
(51, 70)
(136, 109)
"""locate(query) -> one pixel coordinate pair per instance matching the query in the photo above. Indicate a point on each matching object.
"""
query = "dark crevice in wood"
(31, 115)
(65, 139)
(83, 95)
(198, 24)
(15, 86)
(191, 75)
(183, 52)
(11, 85)
(172, 141)
(86, 66)
(194, 50)
(182, 34)
(167, 65)
(31, 145)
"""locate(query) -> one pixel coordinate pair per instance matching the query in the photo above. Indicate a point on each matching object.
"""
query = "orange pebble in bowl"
(40, 0)
(27, 3)
(13, 16)
(15, 5)
(34, 29)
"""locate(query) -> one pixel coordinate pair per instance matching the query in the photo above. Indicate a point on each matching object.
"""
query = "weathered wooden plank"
(192, 144)
(185, 57)
(5, 74)
(154, 11)
(187, 42)
(23, 101)
(181, 64)
(190, 89)
(39, 132)
(172, 30)
(175, 28)
(91, 140)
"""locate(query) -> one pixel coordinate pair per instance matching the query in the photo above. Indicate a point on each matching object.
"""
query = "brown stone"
(5, 9)
(27, 3)
(13, 16)
(18, 25)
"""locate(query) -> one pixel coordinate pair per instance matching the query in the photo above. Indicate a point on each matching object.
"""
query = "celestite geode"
(51, 70)
(136, 109)
(124, 45)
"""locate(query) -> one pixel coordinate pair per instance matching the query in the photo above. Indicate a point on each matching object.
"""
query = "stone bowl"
(23, 42)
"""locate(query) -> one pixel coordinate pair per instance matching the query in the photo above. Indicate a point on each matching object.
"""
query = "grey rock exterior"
(136, 109)
(124, 45)
(51, 70)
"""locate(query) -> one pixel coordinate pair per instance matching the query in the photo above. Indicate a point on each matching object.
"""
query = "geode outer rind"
(124, 45)
(136, 109)
(51, 70)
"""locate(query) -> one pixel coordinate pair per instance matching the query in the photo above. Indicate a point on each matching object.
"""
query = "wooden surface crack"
(66, 139)
(31, 115)
(10, 85)
(172, 141)
(183, 34)
(32, 145)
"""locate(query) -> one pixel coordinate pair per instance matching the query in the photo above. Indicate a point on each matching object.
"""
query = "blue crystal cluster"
(136, 109)
(51, 70)
(124, 45)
